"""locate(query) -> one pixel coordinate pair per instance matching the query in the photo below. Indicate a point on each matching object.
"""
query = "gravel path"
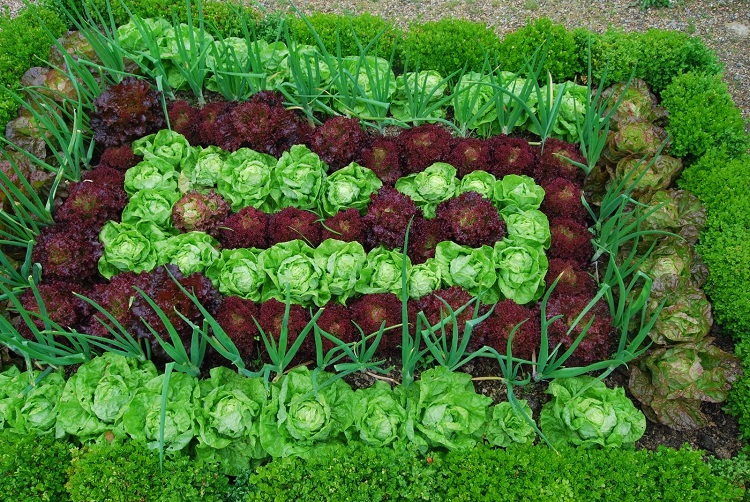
(724, 25)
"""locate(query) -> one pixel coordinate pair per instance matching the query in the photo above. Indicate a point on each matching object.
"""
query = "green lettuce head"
(11, 387)
(382, 272)
(585, 412)
(349, 187)
(33, 412)
(528, 227)
(506, 427)
(245, 179)
(480, 182)
(191, 252)
(342, 263)
(153, 174)
(424, 278)
(228, 420)
(299, 417)
(520, 271)
(446, 411)
(293, 264)
(298, 178)
(518, 193)
(430, 187)
(471, 268)
(153, 205)
(474, 102)
(428, 83)
(239, 272)
(126, 249)
(166, 145)
(96, 395)
(379, 416)
(205, 171)
(141, 416)
(366, 71)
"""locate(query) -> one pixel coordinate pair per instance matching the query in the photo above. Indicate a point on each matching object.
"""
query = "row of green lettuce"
(334, 270)
(42, 468)
(239, 421)
(354, 84)
(299, 178)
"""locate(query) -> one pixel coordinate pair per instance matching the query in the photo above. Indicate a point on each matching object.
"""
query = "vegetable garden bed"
(301, 242)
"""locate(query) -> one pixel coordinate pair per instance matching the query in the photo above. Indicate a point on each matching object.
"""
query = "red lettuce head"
(116, 297)
(574, 280)
(339, 141)
(208, 121)
(435, 310)
(383, 159)
(271, 318)
(235, 315)
(120, 157)
(347, 226)
(470, 154)
(168, 296)
(424, 237)
(61, 306)
(387, 217)
(473, 220)
(96, 199)
(369, 311)
(336, 320)
(262, 125)
(553, 162)
(570, 240)
(248, 228)
(125, 112)
(68, 253)
(202, 212)
(293, 223)
(599, 341)
(184, 119)
(511, 156)
(495, 330)
(563, 198)
(422, 146)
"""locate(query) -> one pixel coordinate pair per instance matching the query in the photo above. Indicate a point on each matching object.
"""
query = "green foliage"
(736, 470)
(562, 59)
(585, 412)
(33, 468)
(23, 43)
(355, 473)
(581, 475)
(335, 30)
(448, 45)
(220, 17)
(702, 115)
(657, 56)
(720, 182)
(524, 473)
(130, 471)
(739, 397)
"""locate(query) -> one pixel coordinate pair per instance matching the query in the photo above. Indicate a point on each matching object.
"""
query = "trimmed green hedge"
(44, 469)
(523, 473)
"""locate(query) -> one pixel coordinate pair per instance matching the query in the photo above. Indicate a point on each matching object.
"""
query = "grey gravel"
(724, 25)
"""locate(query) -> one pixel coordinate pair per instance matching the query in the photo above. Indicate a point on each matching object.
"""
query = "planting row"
(238, 422)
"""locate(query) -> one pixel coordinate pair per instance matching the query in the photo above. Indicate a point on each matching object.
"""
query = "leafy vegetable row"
(239, 422)
(363, 86)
